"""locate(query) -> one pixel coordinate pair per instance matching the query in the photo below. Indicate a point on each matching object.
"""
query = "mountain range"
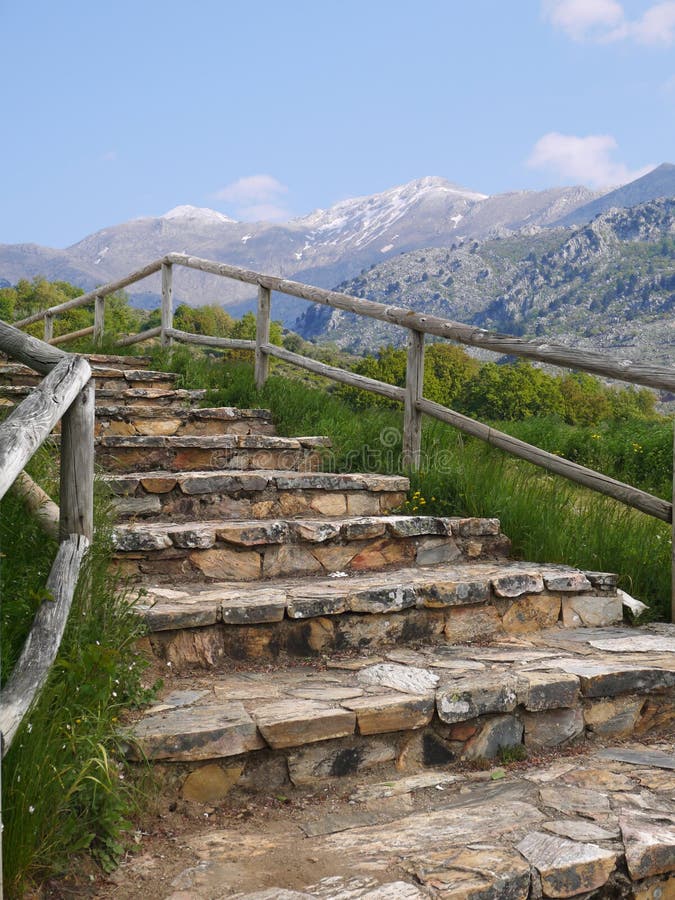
(609, 284)
(323, 248)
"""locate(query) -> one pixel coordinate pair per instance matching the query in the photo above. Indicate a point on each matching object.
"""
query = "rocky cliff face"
(609, 284)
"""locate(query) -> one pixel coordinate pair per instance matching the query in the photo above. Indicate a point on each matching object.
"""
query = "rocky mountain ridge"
(607, 285)
(322, 248)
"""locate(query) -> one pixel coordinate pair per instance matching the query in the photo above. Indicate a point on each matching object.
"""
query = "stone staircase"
(312, 638)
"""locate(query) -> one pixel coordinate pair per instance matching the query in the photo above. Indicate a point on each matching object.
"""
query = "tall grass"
(547, 518)
(64, 786)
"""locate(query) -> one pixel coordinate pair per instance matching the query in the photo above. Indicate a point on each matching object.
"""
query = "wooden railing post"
(77, 466)
(49, 328)
(412, 417)
(167, 302)
(262, 336)
(99, 320)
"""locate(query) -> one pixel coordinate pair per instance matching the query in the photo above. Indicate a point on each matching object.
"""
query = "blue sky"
(271, 109)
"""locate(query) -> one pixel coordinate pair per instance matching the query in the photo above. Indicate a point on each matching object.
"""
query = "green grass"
(65, 782)
(547, 518)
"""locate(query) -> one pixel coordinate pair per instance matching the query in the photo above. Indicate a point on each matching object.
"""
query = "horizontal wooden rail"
(543, 351)
(129, 339)
(73, 335)
(206, 340)
(30, 423)
(39, 651)
(647, 503)
(335, 374)
(91, 296)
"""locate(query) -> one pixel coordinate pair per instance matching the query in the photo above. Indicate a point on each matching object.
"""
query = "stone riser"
(222, 644)
(131, 397)
(224, 562)
(177, 507)
(123, 459)
(432, 746)
(110, 377)
(251, 494)
(109, 383)
(197, 423)
(459, 602)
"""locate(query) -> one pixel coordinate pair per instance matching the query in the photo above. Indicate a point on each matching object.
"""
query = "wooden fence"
(67, 394)
(418, 326)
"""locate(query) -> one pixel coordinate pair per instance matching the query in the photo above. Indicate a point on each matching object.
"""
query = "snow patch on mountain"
(197, 213)
(362, 220)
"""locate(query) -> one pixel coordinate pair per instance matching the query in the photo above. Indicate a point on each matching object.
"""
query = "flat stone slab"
(650, 843)
(198, 732)
(642, 757)
(567, 868)
(307, 598)
(289, 723)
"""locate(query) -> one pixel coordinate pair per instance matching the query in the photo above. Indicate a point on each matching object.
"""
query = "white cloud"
(582, 19)
(256, 197)
(604, 21)
(657, 25)
(587, 160)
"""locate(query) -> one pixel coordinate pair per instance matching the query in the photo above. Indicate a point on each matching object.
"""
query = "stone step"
(147, 419)
(593, 824)
(168, 398)
(249, 550)
(107, 377)
(229, 623)
(201, 453)
(247, 494)
(103, 359)
(118, 361)
(408, 710)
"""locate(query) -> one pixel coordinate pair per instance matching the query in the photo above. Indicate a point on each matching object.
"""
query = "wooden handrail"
(43, 641)
(341, 375)
(207, 340)
(660, 377)
(596, 481)
(543, 351)
(29, 350)
(67, 393)
(91, 296)
(30, 423)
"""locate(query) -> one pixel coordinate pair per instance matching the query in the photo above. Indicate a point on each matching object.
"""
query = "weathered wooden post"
(49, 328)
(99, 319)
(77, 466)
(414, 384)
(167, 303)
(262, 336)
